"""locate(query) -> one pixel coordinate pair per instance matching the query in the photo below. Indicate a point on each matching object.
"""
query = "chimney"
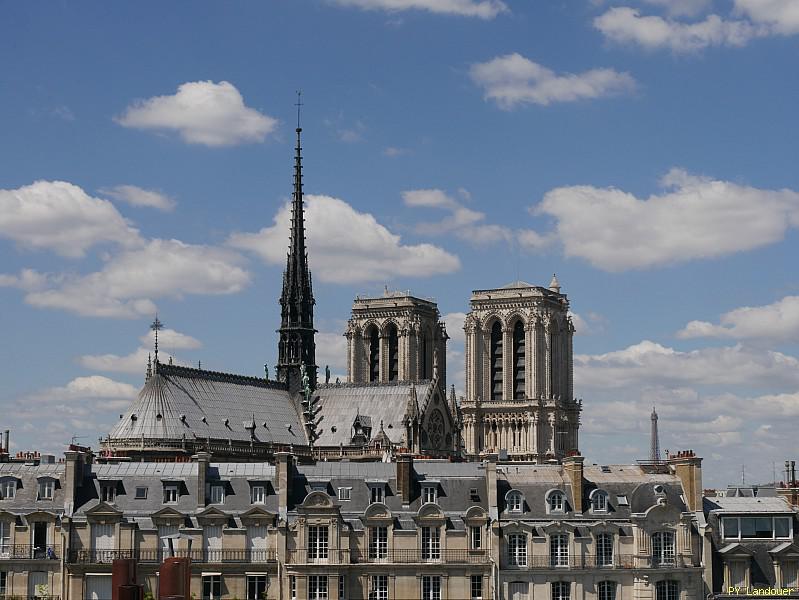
(6, 442)
(491, 485)
(203, 459)
(284, 474)
(688, 468)
(573, 469)
(405, 477)
(73, 477)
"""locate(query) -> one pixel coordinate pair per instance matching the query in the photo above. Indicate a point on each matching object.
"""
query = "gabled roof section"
(181, 402)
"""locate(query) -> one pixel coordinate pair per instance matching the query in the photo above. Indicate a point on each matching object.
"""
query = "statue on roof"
(327, 373)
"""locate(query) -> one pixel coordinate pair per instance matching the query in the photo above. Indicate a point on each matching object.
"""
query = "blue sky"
(644, 150)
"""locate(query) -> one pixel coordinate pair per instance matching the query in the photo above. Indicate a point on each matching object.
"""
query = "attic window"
(515, 501)
(159, 416)
(605, 469)
(108, 491)
(555, 502)
(622, 501)
(133, 417)
(474, 495)
(8, 489)
(141, 493)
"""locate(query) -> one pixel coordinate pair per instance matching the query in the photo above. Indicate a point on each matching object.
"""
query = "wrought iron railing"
(405, 556)
(17, 597)
(157, 556)
(618, 561)
(28, 552)
(301, 556)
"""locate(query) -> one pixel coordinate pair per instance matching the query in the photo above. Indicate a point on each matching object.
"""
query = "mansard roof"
(382, 402)
(178, 402)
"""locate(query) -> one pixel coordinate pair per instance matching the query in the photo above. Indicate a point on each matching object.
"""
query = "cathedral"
(519, 401)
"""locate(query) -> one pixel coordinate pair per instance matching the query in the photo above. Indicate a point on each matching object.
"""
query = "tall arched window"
(496, 361)
(425, 356)
(519, 358)
(393, 353)
(374, 354)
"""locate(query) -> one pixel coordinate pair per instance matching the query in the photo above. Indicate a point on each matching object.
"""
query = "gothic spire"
(296, 345)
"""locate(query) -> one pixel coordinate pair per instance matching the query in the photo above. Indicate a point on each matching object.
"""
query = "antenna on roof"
(156, 327)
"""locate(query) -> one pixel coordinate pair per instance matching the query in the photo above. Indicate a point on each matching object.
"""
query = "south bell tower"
(297, 346)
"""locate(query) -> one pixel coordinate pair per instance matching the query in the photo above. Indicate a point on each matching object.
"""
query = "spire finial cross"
(299, 106)
(156, 327)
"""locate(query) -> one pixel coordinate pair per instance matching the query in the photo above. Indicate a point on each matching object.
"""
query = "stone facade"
(519, 385)
(395, 337)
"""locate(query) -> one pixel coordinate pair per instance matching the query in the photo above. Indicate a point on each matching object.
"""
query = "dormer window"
(515, 502)
(258, 494)
(556, 502)
(8, 489)
(599, 501)
(46, 489)
(430, 494)
(108, 491)
(171, 493)
(217, 495)
(377, 492)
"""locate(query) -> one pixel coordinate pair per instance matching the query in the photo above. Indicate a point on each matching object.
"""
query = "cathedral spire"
(296, 345)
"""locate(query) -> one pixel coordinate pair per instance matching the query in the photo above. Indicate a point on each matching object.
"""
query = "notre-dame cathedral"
(518, 405)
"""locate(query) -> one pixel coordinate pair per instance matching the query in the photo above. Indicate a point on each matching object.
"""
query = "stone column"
(569, 362)
(529, 360)
(402, 354)
(547, 361)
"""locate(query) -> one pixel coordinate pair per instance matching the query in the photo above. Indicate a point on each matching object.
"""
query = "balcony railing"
(410, 556)
(17, 597)
(618, 561)
(28, 552)
(301, 556)
(158, 556)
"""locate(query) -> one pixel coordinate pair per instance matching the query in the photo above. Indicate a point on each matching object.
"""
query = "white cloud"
(454, 322)
(137, 196)
(28, 280)
(512, 80)
(347, 246)
(93, 386)
(483, 9)
(130, 281)
(627, 25)
(60, 216)
(781, 16)
(394, 152)
(331, 350)
(202, 112)
(696, 218)
(169, 340)
(649, 363)
(777, 322)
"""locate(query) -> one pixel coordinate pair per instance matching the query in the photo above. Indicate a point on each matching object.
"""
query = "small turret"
(554, 285)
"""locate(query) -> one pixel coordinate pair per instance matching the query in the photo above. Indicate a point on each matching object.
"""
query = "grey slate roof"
(740, 505)
(180, 401)
(386, 402)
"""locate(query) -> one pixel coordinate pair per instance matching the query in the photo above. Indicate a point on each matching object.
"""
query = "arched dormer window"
(393, 352)
(599, 501)
(496, 361)
(519, 358)
(374, 354)
(556, 502)
(8, 488)
(515, 501)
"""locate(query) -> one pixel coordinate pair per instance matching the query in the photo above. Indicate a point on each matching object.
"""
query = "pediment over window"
(518, 527)
(429, 513)
(377, 512)
(786, 550)
(476, 515)
(212, 515)
(735, 551)
(41, 515)
(318, 500)
(258, 516)
(168, 515)
(103, 512)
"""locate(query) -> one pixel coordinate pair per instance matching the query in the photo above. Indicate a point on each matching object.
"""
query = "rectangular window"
(5, 538)
(344, 493)
(431, 587)
(622, 501)
(217, 494)
(293, 587)
(378, 542)
(476, 537)
(782, 527)
(431, 543)
(430, 494)
(736, 570)
(560, 590)
(607, 590)
(317, 543)
(559, 550)
(476, 587)
(212, 587)
(8, 489)
(663, 548)
(342, 587)
(170, 494)
(317, 587)
(517, 550)
(604, 550)
(378, 587)
(46, 489)
(109, 492)
(377, 493)
(256, 587)
(790, 573)
(3, 583)
(141, 493)
(730, 527)
(667, 590)
(258, 494)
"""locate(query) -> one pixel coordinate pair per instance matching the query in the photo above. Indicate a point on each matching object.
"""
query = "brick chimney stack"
(688, 467)
(573, 469)
(405, 477)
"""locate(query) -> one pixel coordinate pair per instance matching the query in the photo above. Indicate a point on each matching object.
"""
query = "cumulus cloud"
(169, 340)
(483, 9)
(331, 350)
(650, 363)
(28, 280)
(137, 196)
(776, 322)
(695, 218)
(130, 281)
(60, 216)
(201, 112)
(780, 16)
(347, 246)
(626, 25)
(513, 80)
